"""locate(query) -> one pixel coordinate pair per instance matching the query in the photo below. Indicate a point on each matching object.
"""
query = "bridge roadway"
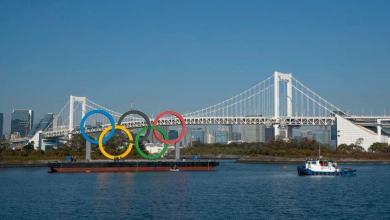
(370, 121)
(250, 120)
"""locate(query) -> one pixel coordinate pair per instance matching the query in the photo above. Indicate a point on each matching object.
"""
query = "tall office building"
(253, 133)
(269, 134)
(22, 121)
(321, 134)
(44, 123)
(197, 136)
(1, 126)
(210, 139)
(221, 137)
(236, 136)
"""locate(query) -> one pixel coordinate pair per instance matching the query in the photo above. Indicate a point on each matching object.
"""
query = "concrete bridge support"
(379, 129)
(177, 152)
(87, 151)
(72, 101)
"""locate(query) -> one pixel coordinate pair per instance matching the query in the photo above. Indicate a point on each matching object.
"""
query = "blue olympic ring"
(97, 111)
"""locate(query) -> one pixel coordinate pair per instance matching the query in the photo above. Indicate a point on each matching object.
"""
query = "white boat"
(174, 169)
(324, 168)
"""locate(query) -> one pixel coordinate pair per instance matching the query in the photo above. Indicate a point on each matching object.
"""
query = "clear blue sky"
(189, 54)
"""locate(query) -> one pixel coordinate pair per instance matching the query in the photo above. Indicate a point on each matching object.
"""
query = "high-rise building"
(321, 134)
(1, 125)
(333, 136)
(253, 133)
(22, 121)
(221, 137)
(236, 136)
(197, 136)
(44, 123)
(269, 134)
(210, 138)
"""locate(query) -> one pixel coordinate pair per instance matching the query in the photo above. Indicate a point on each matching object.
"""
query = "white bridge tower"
(280, 77)
(72, 101)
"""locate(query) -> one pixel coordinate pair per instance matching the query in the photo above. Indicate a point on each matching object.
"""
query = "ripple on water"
(244, 191)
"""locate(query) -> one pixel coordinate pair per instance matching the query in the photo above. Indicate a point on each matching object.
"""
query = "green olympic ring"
(154, 156)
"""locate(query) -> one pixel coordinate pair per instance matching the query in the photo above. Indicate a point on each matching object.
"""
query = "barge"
(132, 166)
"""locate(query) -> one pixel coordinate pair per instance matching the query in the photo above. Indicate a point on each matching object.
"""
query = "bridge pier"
(72, 101)
(87, 151)
(177, 152)
(286, 77)
(379, 129)
(276, 131)
(282, 132)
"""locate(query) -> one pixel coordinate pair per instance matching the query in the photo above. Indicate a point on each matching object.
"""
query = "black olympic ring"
(143, 115)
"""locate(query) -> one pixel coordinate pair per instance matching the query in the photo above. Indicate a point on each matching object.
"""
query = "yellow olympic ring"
(104, 152)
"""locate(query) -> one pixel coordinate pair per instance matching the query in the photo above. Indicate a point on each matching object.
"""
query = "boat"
(174, 169)
(322, 167)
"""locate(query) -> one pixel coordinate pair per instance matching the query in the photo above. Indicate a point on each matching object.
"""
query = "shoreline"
(294, 160)
(236, 158)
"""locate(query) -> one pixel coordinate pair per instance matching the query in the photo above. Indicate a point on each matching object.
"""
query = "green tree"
(76, 141)
(29, 147)
(379, 148)
(352, 148)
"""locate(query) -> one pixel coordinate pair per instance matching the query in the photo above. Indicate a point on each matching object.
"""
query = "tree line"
(293, 148)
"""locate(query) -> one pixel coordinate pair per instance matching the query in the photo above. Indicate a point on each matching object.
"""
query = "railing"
(250, 120)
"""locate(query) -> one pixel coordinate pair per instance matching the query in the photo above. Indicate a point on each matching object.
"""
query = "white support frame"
(278, 77)
(72, 100)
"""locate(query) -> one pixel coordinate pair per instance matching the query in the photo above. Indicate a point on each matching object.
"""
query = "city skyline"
(342, 53)
(22, 122)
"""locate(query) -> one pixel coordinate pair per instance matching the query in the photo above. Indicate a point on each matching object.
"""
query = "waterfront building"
(22, 121)
(321, 134)
(221, 137)
(333, 136)
(269, 134)
(197, 136)
(253, 133)
(236, 136)
(210, 139)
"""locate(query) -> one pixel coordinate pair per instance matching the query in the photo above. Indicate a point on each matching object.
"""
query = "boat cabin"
(321, 165)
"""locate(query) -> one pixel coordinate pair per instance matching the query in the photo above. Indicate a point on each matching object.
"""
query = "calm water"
(233, 191)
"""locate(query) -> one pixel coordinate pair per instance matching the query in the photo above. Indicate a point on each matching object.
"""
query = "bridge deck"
(267, 121)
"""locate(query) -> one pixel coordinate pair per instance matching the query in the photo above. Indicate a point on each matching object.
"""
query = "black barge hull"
(132, 166)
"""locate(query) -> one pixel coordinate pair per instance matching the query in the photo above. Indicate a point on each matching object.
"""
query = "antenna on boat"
(319, 151)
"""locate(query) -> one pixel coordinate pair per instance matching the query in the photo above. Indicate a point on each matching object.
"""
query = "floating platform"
(132, 166)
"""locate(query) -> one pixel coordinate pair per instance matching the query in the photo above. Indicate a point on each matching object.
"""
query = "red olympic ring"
(183, 125)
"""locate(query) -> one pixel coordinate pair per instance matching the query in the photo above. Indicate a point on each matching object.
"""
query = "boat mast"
(319, 151)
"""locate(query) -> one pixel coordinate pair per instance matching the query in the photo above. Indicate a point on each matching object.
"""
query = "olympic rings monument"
(117, 163)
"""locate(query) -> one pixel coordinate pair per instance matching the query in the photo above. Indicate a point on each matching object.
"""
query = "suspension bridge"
(279, 102)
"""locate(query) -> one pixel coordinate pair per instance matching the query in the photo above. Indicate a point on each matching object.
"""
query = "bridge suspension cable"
(273, 97)
(324, 103)
(253, 101)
